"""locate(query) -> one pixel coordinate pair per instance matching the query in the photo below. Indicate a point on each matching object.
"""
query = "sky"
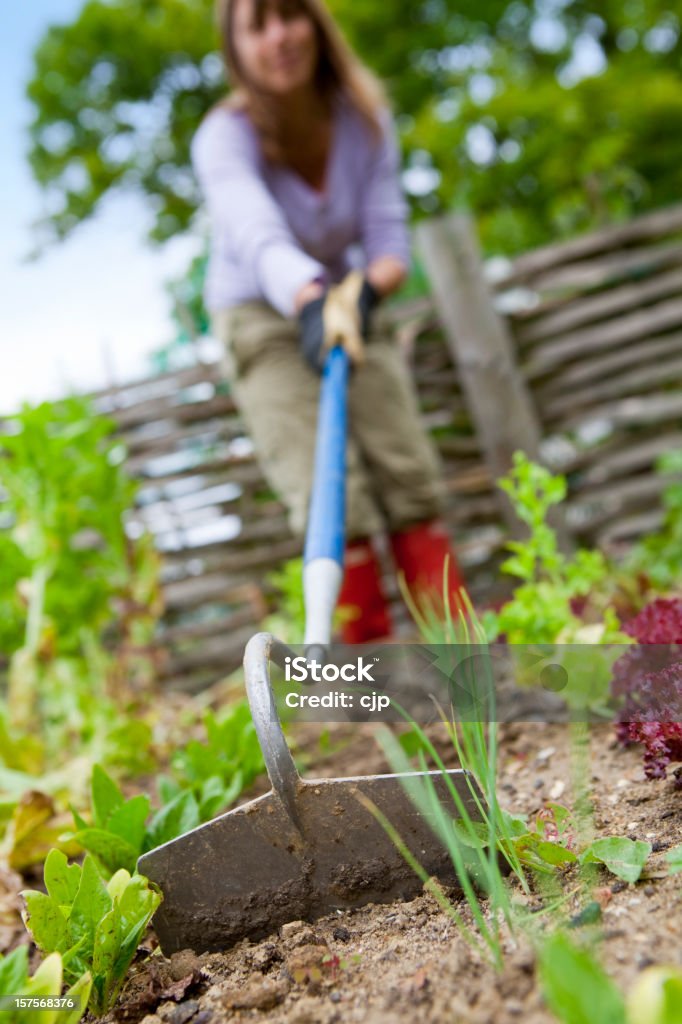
(94, 307)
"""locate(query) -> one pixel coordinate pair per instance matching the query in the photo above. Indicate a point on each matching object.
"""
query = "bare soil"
(407, 962)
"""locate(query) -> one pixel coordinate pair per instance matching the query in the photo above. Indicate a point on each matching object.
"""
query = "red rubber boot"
(365, 609)
(420, 552)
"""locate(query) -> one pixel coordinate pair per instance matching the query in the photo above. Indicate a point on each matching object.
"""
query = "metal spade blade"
(304, 849)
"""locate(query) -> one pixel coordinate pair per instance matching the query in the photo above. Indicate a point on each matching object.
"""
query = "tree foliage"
(546, 117)
(118, 94)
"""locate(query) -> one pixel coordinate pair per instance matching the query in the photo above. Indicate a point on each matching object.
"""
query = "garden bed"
(408, 961)
(99, 766)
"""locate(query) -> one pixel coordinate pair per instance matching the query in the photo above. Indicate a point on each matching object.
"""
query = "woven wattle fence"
(572, 352)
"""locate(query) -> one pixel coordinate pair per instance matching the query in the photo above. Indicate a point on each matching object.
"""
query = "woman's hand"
(308, 293)
(340, 316)
(386, 274)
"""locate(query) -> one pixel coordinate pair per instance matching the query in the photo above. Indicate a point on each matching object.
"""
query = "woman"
(299, 169)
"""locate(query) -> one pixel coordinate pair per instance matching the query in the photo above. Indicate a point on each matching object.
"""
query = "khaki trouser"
(393, 472)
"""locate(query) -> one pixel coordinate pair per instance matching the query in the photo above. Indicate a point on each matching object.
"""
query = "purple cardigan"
(272, 232)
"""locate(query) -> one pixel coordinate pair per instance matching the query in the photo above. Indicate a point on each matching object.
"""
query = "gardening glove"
(339, 317)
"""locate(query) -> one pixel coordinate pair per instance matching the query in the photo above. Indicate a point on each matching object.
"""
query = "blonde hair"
(339, 72)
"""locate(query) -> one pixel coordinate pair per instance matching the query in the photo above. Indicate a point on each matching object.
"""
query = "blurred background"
(546, 119)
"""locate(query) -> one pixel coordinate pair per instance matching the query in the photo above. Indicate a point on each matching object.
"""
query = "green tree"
(545, 117)
(118, 94)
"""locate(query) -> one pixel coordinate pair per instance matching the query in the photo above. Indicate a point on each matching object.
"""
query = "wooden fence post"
(481, 346)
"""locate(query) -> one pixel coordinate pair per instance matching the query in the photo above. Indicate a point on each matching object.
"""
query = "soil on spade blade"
(407, 962)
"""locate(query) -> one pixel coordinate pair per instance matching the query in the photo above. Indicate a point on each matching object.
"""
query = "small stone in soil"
(306, 936)
(203, 1017)
(305, 957)
(183, 963)
(264, 957)
(258, 994)
(545, 754)
(180, 1014)
(527, 965)
(289, 930)
(648, 890)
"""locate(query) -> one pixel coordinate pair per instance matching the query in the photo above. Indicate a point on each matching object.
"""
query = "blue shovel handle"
(326, 518)
(325, 534)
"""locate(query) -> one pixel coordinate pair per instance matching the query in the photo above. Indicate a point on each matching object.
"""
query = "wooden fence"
(572, 352)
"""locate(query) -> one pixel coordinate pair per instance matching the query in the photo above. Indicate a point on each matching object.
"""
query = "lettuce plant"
(41, 994)
(95, 926)
(73, 586)
(122, 829)
(208, 777)
(648, 677)
(218, 769)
